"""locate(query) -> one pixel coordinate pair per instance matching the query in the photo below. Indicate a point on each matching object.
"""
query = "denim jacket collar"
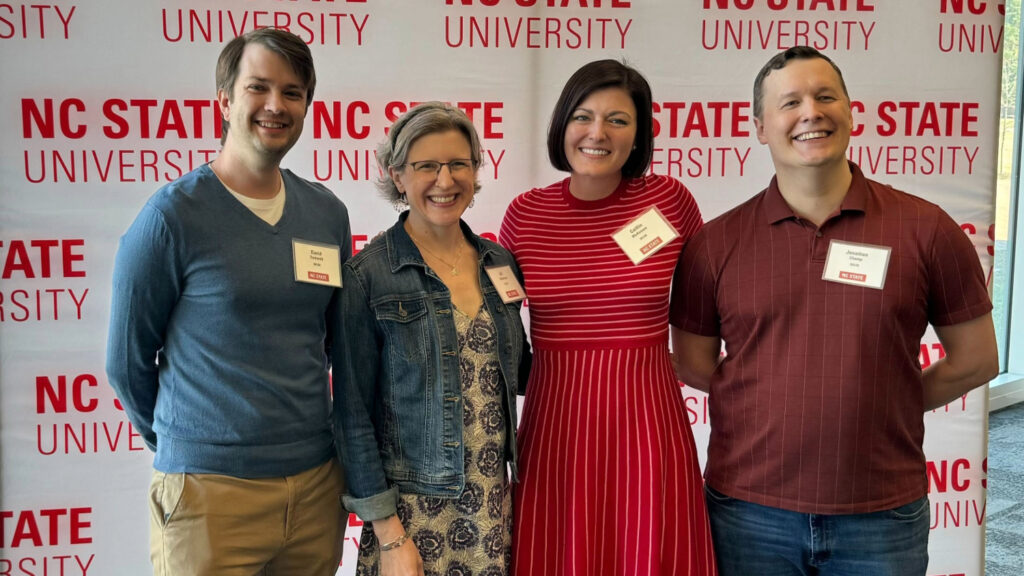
(402, 251)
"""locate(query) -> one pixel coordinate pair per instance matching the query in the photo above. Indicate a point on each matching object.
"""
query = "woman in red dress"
(610, 481)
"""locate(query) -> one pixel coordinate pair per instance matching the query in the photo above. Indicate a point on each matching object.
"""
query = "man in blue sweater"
(224, 297)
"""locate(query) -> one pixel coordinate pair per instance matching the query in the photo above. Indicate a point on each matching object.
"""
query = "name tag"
(506, 283)
(645, 235)
(317, 263)
(857, 264)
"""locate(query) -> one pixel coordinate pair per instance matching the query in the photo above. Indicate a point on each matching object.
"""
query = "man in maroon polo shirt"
(821, 287)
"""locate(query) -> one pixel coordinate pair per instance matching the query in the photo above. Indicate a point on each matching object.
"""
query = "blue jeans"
(754, 539)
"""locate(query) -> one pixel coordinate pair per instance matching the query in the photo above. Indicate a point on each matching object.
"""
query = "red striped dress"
(610, 481)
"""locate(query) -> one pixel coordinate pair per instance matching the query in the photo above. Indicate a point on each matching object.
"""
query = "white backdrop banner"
(107, 100)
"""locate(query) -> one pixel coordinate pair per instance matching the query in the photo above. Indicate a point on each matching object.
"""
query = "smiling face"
(265, 109)
(437, 199)
(600, 135)
(806, 119)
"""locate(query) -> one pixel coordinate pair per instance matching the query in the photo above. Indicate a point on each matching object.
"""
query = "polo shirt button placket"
(817, 253)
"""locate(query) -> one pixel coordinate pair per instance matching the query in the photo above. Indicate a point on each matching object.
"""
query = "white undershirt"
(268, 209)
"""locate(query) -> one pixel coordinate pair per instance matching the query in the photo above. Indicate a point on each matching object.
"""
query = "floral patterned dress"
(471, 534)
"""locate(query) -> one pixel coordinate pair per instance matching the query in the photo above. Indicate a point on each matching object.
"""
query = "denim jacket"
(398, 395)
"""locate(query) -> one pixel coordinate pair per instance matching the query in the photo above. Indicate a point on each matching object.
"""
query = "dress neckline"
(608, 200)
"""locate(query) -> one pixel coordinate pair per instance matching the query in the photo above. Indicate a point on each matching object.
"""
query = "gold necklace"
(453, 266)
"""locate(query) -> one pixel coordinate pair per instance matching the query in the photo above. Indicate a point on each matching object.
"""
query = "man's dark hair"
(779, 61)
(280, 42)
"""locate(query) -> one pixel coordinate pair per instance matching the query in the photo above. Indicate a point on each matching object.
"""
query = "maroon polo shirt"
(817, 406)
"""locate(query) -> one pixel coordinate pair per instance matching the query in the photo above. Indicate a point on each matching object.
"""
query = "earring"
(400, 203)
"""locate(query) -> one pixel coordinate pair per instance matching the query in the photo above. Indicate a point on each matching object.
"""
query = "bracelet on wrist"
(394, 543)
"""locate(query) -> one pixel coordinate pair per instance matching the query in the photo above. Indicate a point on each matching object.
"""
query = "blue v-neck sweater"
(216, 352)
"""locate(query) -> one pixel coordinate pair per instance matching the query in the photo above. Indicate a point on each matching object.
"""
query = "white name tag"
(506, 283)
(857, 264)
(317, 263)
(645, 235)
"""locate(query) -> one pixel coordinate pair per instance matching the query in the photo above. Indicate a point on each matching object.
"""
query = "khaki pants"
(209, 524)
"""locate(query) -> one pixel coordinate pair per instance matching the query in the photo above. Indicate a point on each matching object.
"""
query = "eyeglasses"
(431, 168)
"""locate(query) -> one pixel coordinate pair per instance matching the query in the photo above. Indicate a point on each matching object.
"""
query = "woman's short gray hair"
(426, 118)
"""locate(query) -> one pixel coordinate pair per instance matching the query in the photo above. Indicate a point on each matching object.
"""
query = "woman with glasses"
(426, 368)
(610, 482)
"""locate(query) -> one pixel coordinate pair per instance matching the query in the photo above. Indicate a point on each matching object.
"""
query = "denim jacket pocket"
(406, 321)
(403, 321)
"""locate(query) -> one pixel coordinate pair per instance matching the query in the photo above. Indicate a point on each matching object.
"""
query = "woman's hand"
(403, 560)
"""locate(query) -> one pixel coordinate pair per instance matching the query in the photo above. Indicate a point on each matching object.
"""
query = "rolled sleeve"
(373, 507)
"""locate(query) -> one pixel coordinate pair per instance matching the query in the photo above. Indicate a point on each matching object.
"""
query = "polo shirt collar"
(776, 209)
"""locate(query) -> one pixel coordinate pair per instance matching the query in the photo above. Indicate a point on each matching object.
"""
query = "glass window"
(1008, 269)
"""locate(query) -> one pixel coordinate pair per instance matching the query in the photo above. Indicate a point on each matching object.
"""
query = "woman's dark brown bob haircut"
(596, 76)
